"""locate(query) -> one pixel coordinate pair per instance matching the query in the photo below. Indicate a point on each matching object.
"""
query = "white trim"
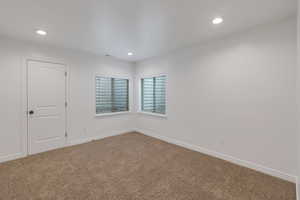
(152, 114)
(97, 137)
(108, 75)
(244, 163)
(153, 75)
(23, 103)
(25, 132)
(12, 157)
(113, 113)
(70, 143)
(112, 76)
(23, 114)
(68, 103)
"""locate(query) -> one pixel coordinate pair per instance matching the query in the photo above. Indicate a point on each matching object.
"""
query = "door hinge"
(66, 73)
(66, 134)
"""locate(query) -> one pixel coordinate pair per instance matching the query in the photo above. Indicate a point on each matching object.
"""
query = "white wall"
(82, 123)
(235, 96)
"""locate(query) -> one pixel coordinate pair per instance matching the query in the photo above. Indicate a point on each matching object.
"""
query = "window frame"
(140, 111)
(94, 95)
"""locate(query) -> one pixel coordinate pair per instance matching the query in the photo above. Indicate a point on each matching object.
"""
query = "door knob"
(31, 112)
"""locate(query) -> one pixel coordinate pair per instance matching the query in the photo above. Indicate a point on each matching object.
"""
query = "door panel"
(46, 106)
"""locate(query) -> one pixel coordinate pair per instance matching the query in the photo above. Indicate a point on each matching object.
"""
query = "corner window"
(153, 94)
(112, 95)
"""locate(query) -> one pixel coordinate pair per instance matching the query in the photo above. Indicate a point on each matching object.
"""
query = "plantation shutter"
(154, 94)
(111, 95)
(160, 94)
(120, 95)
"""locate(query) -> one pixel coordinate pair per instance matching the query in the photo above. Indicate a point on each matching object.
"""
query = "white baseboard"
(12, 157)
(229, 158)
(244, 163)
(71, 143)
(97, 137)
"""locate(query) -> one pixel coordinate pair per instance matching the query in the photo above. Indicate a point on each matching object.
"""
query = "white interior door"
(46, 106)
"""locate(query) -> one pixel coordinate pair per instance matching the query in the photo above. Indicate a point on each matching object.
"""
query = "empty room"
(149, 100)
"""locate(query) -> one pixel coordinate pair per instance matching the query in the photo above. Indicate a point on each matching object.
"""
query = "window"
(111, 95)
(154, 95)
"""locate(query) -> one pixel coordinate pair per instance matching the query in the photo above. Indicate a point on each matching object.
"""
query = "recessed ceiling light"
(130, 53)
(217, 20)
(41, 32)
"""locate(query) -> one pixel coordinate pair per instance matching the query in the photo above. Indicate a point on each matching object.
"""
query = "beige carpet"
(133, 166)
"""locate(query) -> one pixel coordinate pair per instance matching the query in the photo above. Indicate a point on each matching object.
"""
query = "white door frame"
(24, 103)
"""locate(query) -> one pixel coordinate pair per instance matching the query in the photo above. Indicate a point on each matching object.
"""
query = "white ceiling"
(146, 27)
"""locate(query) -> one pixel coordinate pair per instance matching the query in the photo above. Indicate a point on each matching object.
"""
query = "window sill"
(112, 114)
(153, 114)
